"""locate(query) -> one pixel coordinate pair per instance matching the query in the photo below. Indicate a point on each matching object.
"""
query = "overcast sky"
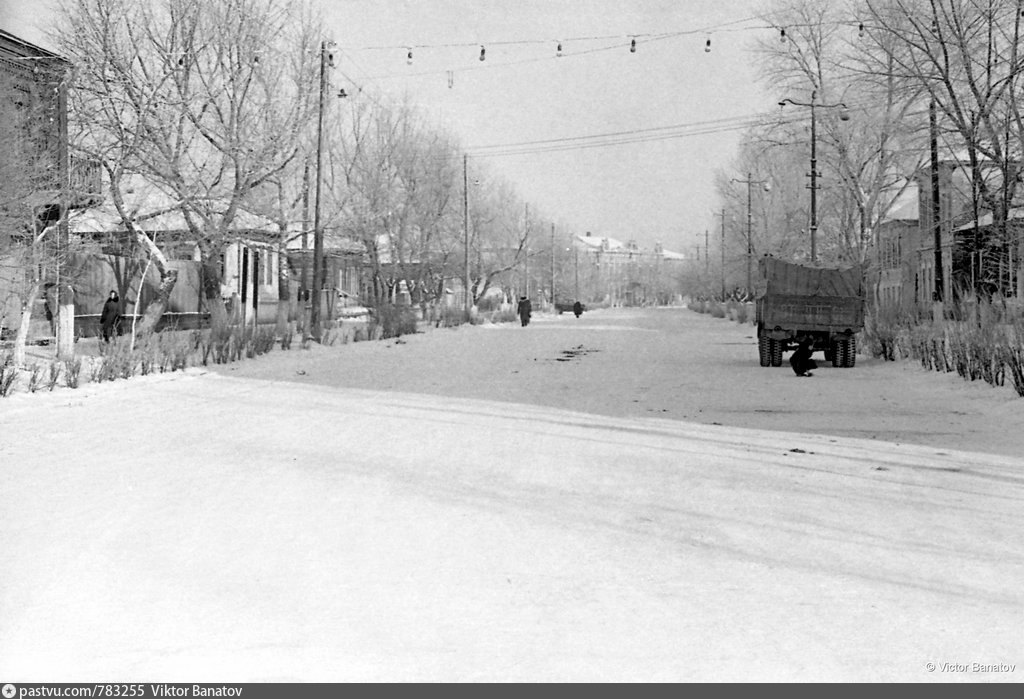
(656, 189)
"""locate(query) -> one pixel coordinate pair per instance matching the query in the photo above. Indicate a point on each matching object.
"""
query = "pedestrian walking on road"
(524, 310)
(110, 317)
(801, 360)
(577, 308)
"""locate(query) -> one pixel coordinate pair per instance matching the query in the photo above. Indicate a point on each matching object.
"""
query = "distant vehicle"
(796, 301)
(566, 307)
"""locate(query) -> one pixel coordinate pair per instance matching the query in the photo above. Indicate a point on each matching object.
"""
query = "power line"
(660, 133)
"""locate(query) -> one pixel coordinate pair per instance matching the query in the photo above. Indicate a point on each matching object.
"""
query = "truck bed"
(804, 313)
(797, 298)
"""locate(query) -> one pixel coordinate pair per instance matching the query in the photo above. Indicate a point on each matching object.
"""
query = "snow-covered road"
(205, 528)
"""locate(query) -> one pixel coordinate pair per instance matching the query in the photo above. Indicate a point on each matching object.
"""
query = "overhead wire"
(661, 133)
(564, 42)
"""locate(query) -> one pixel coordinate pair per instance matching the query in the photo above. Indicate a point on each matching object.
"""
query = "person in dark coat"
(577, 308)
(110, 317)
(524, 311)
(801, 360)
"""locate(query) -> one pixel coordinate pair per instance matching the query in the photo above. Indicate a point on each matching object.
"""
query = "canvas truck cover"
(791, 279)
(794, 298)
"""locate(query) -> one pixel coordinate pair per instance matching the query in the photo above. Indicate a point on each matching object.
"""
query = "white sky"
(659, 190)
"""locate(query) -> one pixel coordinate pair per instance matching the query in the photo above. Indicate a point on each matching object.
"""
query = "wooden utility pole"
(723, 253)
(552, 264)
(707, 252)
(526, 254)
(465, 225)
(576, 266)
(936, 202)
(318, 234)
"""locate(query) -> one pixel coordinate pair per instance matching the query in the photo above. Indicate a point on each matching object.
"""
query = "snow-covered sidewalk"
(196, 527)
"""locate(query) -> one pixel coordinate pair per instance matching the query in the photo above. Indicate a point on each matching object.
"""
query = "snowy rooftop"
(597, 243)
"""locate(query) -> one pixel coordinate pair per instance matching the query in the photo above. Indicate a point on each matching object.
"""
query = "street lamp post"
(750, 249)
(843, 116)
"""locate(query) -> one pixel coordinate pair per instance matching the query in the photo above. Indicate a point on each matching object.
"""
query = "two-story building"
(976, 254)
(624, 274)
(40, 182)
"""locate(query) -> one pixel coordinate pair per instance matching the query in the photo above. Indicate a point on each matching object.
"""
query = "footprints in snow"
(574, 353)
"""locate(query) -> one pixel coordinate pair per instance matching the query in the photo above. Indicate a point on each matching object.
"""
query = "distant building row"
(978, 255)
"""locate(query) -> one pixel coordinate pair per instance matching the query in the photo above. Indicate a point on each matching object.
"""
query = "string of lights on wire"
(576, 46)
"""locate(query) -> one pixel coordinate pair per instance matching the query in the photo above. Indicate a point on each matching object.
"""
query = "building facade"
(624, 274)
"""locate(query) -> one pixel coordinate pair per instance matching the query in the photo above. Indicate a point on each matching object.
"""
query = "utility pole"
(843, 116)
(318, 234)
(576, 266)
(723, 253)
(750, 249)
(465, 222)
(552, 264)
(526, 257)
(936, 202)
(707, 252)
(814, 184)
(305, 227)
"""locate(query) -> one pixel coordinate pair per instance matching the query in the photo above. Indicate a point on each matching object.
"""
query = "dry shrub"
(72, 372)
(394, 321)
(35, 377)
(8, 374)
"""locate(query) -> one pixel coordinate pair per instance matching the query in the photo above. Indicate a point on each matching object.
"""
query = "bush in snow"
(742, 313)
(981, 340)
(507, 315)
(450, 317)
(54, 375)
(8, 374)
(35, 377)
(887, 334)
(72, 372)
(394, 321)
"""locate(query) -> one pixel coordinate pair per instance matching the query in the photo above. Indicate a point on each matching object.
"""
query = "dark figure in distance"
(801, 360)
(577, 308)
(524, 311)
(110, 318)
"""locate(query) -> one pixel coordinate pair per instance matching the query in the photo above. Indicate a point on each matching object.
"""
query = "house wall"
(94, 276)
(250, 281)
(897, 261)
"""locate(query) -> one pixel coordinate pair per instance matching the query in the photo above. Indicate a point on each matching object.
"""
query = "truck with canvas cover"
(796, 301)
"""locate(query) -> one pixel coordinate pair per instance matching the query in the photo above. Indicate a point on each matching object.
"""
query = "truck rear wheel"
(764, 351)
(775, 352)
(837, 352)
(850, 353)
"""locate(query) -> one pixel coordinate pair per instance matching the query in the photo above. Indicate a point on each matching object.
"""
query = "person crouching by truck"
(801, 360)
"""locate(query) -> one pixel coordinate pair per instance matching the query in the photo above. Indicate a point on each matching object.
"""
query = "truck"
(796, 301)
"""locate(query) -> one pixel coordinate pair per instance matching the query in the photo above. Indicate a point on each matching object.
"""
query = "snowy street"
(627, 496)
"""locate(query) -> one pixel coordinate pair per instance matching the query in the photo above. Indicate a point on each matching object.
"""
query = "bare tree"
(865, 144)
(206, 100)
(963, 57)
